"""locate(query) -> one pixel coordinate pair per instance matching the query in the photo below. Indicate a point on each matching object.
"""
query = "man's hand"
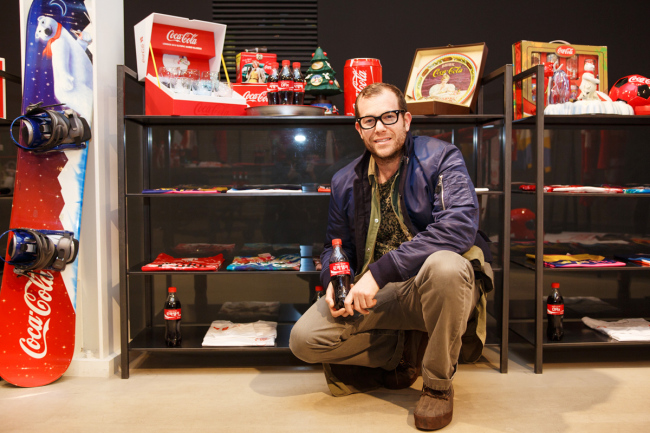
(360, 298)
(329, 298)
(362, 295)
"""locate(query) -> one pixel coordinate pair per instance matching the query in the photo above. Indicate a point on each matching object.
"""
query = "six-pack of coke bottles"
(285, 86)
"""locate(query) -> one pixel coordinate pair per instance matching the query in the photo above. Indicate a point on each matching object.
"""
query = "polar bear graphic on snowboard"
(71, 66)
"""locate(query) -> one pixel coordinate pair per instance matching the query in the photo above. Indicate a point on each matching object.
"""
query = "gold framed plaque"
(444, 80)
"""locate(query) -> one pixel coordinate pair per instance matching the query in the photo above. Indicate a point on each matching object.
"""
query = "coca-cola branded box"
(253, 68)
(255, 94)
(187, 45)
(444, 80)
(575, 60)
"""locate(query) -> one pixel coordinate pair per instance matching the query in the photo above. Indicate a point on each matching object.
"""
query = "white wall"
(97, 342)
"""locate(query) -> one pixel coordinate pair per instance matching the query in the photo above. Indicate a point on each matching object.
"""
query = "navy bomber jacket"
(437, 199)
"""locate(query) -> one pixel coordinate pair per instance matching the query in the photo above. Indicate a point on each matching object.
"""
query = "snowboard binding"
(33, 250)
(45, 131)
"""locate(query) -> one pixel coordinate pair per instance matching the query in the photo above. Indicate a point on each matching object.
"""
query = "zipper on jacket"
(441, 190)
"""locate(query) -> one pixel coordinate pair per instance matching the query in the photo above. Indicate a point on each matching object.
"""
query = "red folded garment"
(165, 262)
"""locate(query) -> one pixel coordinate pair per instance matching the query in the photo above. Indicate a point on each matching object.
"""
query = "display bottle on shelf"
(319, 293)
(172, 314)
(339, 274)
(555, 314)
(285, 90)
(298, 85)
(272, 84)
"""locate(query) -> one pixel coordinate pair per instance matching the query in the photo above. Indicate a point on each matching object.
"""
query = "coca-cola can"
(357, 74)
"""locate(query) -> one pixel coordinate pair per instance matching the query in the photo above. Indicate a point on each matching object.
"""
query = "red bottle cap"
(296, 65)
(319, 288)
(172, 290)
(555, 285)
(336, 242)
(276, 65)
(285, 63)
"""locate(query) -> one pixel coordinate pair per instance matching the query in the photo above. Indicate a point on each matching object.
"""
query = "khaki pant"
(438, 300)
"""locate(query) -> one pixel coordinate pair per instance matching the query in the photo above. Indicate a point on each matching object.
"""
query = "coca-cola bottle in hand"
(272, 84)
(285, 91)
(555, 314)
(339, 274)
(172, 319)
(298, 85)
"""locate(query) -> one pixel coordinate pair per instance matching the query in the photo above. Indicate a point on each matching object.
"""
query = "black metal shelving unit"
(136, 286)
(577, 335)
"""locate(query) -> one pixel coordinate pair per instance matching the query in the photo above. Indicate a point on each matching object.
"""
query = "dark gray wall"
(10, 50)
(393, 30)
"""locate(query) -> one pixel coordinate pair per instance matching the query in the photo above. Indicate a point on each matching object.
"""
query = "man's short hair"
(375, 89)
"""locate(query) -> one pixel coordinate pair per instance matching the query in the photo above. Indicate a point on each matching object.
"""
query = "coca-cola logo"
(565, 51)
(173, 314)
(359, 79)
(555, 310)
(339, 268)
(37, 297)
(186, 38)
(255, 97)
(638, 79)
(208, 109)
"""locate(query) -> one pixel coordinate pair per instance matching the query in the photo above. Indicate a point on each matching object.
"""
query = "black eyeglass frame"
(359, 119)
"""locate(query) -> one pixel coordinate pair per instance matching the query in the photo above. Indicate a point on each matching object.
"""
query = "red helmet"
(522, 224)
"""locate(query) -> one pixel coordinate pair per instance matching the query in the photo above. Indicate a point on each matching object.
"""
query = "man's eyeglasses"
(388, 118)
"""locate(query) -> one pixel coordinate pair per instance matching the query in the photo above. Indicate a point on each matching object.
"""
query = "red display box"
(244, 63)
(571, 58)
(185, 44)
(161, 102)
(255, 94)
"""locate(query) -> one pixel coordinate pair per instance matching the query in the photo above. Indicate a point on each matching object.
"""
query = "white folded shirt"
(621, 330)
(226, 333)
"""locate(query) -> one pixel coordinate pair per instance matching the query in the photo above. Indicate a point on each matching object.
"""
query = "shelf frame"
(534, 332)
(502, 75)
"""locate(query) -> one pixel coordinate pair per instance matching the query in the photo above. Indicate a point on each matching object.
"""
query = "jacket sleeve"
(453, 220)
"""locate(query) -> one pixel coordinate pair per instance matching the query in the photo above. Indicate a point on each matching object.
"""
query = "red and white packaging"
(245, 61)
(255, 94)
(172, 314)
(358, 74)
(339, 268)
(187, 44)
(165, 262)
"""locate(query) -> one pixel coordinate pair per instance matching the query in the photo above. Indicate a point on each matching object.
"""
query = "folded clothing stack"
(265, 262)
(621, 330)
(226, 333)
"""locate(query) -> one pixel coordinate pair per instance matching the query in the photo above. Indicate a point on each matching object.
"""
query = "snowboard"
(37, 310)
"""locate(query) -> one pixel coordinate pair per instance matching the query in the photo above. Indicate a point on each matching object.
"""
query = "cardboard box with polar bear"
(184, 44)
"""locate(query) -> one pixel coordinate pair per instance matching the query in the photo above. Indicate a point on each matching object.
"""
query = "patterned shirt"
(386, 231)
(391, 233)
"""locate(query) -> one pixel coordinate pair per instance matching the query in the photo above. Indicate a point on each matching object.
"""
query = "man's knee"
(298, 342)
(445, 271)
(306, 343)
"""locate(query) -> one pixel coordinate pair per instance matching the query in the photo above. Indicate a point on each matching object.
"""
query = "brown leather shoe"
(410, 366)
(435, 409)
